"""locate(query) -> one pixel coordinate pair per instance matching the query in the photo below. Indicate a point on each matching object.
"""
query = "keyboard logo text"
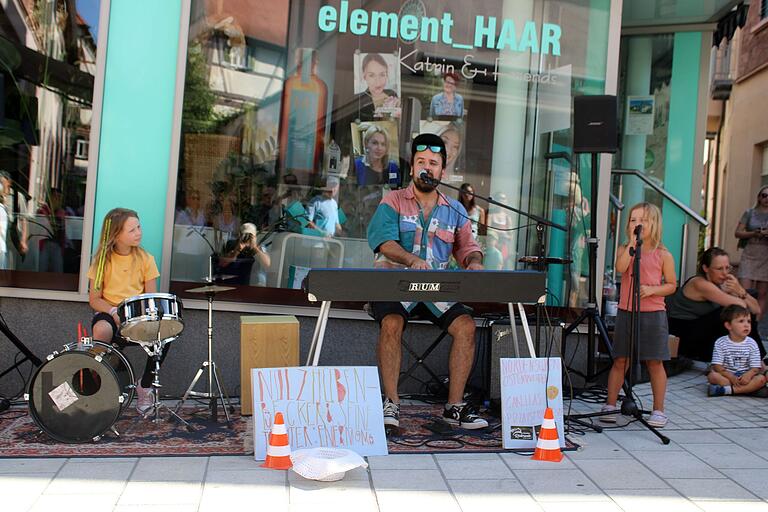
(424, 287)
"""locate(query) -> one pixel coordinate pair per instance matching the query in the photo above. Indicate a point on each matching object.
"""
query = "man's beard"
(422, 186)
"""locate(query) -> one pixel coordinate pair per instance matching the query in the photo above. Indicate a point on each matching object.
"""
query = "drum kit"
(77, 394)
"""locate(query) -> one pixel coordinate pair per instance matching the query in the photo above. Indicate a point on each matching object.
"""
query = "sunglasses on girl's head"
(423, 147)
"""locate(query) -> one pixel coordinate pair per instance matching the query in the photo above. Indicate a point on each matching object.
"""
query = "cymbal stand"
(209, 366)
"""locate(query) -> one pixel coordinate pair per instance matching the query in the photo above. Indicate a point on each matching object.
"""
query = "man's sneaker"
(715, 390)
(391, 413)
(144, 400)
(465, 416)
(657, 419)
(609, 418)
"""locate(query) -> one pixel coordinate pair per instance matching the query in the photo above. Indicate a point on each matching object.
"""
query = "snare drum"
(76, 395)
(148, 317)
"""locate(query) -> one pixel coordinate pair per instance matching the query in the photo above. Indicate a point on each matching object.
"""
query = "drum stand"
(209, 366)
(155, 352)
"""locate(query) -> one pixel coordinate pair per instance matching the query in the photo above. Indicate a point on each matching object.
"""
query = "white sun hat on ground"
(325, 464)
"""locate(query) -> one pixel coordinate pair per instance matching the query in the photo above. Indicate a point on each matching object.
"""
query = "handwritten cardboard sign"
(323, 406)
(527, 386)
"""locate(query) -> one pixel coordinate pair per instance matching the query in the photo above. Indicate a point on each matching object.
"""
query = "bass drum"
(76, 395)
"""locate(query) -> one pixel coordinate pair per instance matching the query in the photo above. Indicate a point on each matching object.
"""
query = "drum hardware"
(155, 352)
(26, 352)
(152, 320)
(209, 366)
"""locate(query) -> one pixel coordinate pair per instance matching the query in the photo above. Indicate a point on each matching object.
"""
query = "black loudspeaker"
(595, 125)
(502, 345)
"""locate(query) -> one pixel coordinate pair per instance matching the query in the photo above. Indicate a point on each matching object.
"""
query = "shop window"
(46, 90)
(298, 118)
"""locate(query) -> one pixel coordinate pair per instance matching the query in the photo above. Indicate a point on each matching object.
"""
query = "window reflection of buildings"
(55, 88)
(245, 69)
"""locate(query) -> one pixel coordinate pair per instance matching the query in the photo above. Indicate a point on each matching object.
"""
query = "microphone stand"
(279, 225)
(628, 405)
(541, 224)
(209, 365)
(210, 277)
(490, 200)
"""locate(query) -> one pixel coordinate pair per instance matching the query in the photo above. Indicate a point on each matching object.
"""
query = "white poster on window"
(639, 115)
(323, 406)
(528, 387)
(554, 99)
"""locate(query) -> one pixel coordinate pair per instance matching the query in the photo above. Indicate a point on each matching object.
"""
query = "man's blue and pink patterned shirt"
(446, 232)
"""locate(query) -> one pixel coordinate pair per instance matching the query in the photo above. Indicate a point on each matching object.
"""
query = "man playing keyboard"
(420, 228)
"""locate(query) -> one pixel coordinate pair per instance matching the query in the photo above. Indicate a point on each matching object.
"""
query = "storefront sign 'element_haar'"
(490, 32)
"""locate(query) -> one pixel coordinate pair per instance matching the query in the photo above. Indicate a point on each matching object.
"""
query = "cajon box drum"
(265, 342)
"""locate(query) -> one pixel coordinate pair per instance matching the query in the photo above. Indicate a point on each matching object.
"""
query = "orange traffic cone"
(279, 449)
(548, 445)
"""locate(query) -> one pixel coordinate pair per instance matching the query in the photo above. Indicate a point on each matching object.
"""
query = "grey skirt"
(653, 340)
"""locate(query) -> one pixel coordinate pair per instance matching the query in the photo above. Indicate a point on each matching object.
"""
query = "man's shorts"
(421, 312)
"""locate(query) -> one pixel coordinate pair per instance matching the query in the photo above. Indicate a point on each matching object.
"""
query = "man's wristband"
(113, 310)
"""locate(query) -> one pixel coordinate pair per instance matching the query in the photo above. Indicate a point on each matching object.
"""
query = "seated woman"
(240, 255)
(694, 309)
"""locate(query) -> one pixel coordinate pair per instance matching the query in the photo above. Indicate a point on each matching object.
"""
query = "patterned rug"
(21, 437)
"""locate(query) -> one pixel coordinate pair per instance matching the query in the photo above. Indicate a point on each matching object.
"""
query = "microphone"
(638, 229)
(426, 178)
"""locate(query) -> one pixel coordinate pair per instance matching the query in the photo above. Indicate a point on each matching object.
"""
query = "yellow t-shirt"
(124, 276)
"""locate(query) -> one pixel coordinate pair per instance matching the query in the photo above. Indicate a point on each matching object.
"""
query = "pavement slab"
(717, 461)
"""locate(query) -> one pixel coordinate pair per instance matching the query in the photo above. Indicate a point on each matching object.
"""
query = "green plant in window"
(198, 114)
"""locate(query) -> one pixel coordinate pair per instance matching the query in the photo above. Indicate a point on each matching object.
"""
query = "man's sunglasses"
(763, 195)
(423, 147)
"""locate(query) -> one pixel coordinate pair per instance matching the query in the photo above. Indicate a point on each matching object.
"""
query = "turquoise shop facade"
(138, 102)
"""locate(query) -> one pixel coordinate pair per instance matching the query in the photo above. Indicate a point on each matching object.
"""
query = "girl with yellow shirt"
(121, 269)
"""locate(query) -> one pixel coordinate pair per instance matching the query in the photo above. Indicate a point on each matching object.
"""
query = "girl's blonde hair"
(113, 224)
(370, 132)
(652, 212)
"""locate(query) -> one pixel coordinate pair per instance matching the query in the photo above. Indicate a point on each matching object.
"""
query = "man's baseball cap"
(429, 141)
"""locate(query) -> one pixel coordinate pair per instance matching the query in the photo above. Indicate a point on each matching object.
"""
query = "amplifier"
(501, 344)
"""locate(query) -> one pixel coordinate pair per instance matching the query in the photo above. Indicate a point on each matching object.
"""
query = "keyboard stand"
(526, 329)
(313, 357)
